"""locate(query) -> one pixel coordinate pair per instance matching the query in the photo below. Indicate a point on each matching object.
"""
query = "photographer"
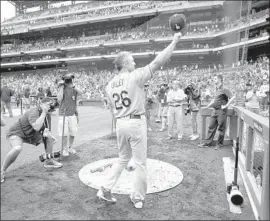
(160, 99)
(164, 106)
(67, 98)
(218, 119)
(194, 104)
(29, 129)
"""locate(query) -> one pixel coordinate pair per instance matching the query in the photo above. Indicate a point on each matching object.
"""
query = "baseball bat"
(63, 130)
(101, 168)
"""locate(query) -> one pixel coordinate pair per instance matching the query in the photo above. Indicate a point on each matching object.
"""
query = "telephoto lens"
(47, 156)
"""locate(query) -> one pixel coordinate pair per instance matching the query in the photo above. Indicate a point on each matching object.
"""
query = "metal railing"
(253, 133)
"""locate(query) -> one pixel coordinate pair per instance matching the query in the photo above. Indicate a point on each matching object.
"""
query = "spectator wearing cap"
(218, 119)
(252, 99)
(175, 99)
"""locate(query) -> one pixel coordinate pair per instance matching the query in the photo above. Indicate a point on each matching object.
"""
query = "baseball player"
(126, 98)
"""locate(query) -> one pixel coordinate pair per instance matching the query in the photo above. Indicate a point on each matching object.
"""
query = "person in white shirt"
(252, 99)
(262, 93)
(175, 99)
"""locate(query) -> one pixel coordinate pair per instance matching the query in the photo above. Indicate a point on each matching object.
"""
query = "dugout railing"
(253, 133)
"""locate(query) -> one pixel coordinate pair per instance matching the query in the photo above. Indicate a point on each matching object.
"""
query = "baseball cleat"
(72, 151)
(138, 203)
(65, 152)
(106, 195)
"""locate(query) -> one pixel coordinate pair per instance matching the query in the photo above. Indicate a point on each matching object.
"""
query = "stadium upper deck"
(209, 31)
(119, 11)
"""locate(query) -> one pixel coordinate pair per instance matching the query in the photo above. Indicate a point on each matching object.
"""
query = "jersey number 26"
(121, 101)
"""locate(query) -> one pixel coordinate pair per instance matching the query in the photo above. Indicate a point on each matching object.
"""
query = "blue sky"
(7, 10)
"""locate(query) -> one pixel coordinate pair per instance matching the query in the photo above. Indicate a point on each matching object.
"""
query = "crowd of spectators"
(92, 81)
(124, 35)
(91, 13)
(63, 9)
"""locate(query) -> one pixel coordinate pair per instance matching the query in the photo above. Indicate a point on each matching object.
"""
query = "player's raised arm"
(164, 56)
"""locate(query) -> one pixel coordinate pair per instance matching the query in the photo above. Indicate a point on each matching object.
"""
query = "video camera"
(54, 105)
(189, 90)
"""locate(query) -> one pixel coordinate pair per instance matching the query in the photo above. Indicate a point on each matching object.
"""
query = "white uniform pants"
(175, 115)
(132, 142)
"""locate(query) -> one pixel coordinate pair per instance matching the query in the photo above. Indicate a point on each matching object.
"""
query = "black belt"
(135, 116)
(175, 105)
(132, 116)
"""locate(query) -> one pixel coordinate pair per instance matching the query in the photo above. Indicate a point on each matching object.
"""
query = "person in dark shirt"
(218, 119)
(48, 92)
(67, 98)
(29, 129)
(6, 95)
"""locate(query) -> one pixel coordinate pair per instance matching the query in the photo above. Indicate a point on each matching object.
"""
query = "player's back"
(126, 92)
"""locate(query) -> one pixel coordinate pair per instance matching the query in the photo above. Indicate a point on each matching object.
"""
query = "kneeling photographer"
(32, 128)
(68, 112)
(193, 93)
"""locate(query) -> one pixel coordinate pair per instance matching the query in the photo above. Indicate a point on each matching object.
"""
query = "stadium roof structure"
(31, 4)
(27, 4)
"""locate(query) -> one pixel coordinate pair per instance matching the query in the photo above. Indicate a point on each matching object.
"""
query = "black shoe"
(203, 145)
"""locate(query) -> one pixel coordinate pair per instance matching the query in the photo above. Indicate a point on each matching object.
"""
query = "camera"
(187, 110)
(54, 105)
(189, 90)
(47, 156)
(65, 79)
